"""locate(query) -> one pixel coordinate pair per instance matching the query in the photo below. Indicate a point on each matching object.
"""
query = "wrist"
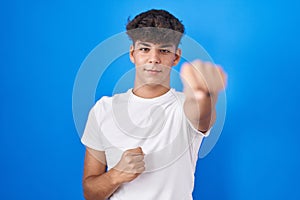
(114, 176)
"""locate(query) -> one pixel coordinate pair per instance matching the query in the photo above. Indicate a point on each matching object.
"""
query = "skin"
(99, 184)
(153, 62)
(202, 82)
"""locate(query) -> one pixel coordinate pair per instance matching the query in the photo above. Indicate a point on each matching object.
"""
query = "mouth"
(152, 71)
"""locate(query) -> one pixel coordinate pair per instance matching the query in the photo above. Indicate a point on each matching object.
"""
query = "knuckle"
(126, 153)
(198, 62)
(132, 166)
(127, 159)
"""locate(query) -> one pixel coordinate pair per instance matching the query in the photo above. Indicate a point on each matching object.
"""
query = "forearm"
(200, 112)
(102, 186)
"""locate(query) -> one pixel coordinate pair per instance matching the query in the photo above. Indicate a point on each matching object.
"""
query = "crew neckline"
(167, 95)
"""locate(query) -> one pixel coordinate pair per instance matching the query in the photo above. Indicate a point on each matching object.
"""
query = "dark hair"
(156, 26)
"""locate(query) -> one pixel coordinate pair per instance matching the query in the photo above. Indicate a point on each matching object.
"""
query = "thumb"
(138, 150)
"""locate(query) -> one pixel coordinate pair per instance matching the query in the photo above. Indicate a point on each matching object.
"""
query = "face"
(153, 62)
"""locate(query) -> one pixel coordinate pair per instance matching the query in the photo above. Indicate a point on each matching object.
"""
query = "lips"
(152, 70)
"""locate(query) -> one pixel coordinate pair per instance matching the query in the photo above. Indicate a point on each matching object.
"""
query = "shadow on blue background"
(43, 44)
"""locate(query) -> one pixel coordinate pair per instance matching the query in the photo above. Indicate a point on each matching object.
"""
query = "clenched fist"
(202, 78)
(131, 164)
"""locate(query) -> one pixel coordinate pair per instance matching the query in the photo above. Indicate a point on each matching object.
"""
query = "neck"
(150, 91)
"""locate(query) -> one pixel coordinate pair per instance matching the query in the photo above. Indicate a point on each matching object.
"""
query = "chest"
(153, 128)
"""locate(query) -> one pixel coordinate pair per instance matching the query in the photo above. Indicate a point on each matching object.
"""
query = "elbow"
(88, 192)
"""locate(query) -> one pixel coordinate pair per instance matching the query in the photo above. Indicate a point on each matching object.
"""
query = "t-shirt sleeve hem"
(90, 145)
(206, 134)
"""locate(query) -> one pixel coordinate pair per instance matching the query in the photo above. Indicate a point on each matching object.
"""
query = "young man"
(143, 144)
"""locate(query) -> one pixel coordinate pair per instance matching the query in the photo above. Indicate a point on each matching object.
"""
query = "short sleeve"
(193, 129)
(91, 135)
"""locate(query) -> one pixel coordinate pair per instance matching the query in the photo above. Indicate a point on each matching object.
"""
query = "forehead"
(155, 45)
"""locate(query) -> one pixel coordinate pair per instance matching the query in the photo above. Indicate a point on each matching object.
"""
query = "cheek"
(170, 60)
(139, 59)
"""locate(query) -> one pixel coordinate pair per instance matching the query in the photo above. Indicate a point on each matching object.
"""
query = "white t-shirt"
(167, 138)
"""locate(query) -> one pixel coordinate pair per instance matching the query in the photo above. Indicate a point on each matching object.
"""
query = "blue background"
(43, 44)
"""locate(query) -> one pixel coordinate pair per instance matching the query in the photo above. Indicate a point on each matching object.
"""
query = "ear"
(177, 56)
(131, 51)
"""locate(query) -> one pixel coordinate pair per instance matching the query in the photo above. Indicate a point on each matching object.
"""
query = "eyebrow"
(148, 45)
(144, 44)
(165, 46)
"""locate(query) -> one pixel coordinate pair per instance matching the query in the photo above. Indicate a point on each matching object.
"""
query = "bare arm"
(203, 120)
(202, 83)
(99, 184)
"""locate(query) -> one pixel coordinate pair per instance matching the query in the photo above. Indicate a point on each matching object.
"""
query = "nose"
(154, 57)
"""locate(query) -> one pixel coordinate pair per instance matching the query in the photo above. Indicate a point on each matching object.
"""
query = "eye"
(144, 49)
(165, 51)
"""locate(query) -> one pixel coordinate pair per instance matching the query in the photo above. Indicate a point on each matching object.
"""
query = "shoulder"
(179, 95)
(105, 103)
